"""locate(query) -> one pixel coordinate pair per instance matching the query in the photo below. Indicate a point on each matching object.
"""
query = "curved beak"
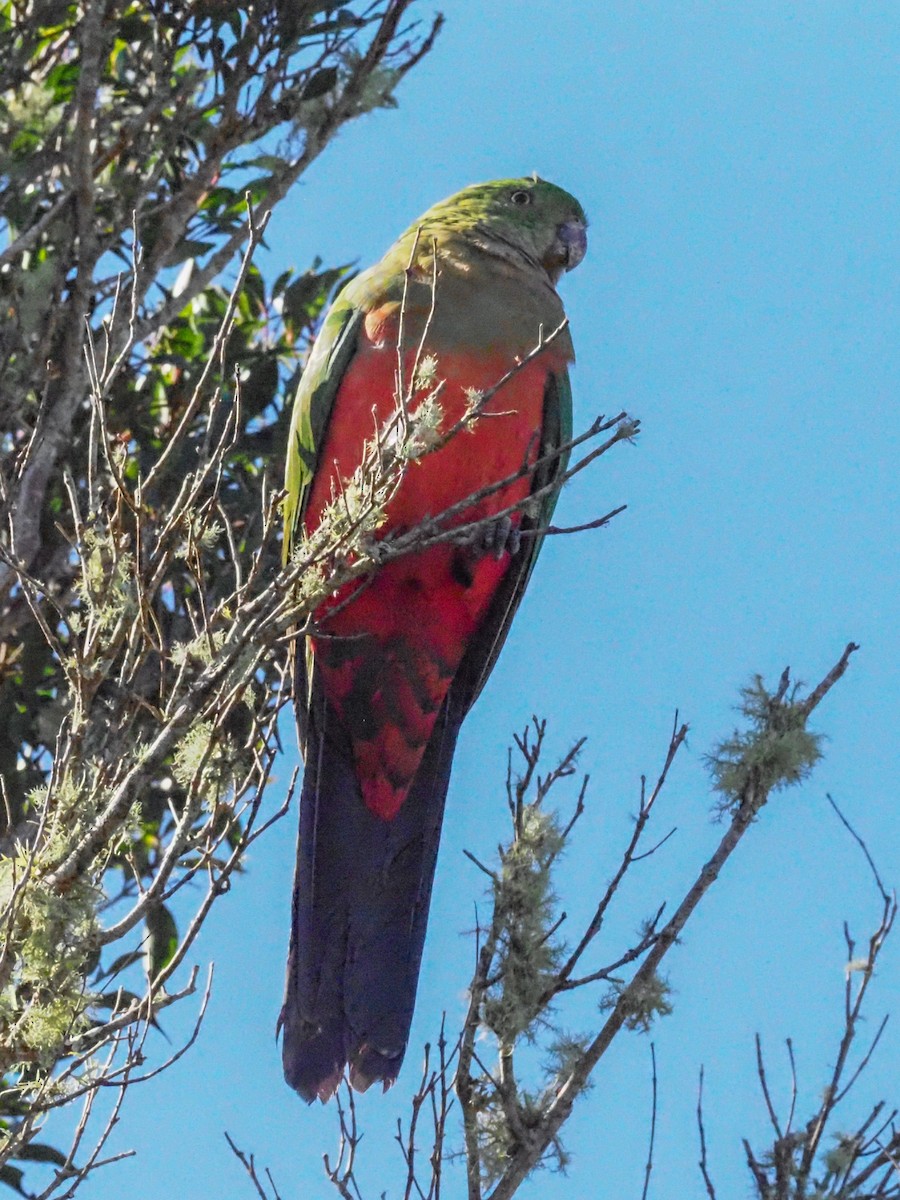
(573, 238)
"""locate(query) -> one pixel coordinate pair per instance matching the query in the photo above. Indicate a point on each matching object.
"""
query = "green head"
(528, 218)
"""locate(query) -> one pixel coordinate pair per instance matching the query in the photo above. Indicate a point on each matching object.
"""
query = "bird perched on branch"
(412, 350)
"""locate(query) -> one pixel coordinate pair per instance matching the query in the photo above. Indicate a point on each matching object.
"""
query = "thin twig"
(649, 1164)
(704, 1169)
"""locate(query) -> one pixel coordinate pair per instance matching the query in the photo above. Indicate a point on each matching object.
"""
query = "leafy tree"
(142, 147)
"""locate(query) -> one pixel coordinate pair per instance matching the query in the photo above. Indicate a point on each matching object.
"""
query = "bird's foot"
(497, 538)
(494, 538)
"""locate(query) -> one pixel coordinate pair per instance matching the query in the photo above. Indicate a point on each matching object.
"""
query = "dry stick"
(757, 1172)
(61, 400)
(249, 1166)
(79, 1174)
(555, 530)
(853, 1006)
(629, 956)
(189, 708)
(467, 1054)
(256, 231)
(529, 1155)
(864, 1061)
(885, 895)
(704, 1171)
(343, 109)
(34, 594)
(185, 1046)
(649, 1167)
(644, 813)
(111, 371)
(177, 844)
(216, 887)
(764, 1085)
(401, 413)
(888, 1158)
(428, 320)
(862, 1145)
(98, 385)
(441, 1107)
(576, 815)
(25, 1134)
(408, 1145)
(793, 1108)
(418, 540)
(342, 1175)
(120, 1025)
(531, 754)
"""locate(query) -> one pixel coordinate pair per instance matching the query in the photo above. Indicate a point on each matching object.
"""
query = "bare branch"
(649, 1165)
(701, 1128)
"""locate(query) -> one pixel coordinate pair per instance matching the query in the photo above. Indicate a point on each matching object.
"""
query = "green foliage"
(641, 1002)
(173, 159)
(48, 945)
(842, 1154)
(122, 121)
(563, 1052)
(499, 1137)
(142, 432)
(518, 977)
(425, 427)
(775, 752)
(525, 908)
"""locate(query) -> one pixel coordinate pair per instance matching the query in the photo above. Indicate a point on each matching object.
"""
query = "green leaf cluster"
(140, 145)
(775, 751)
(525, 905)
(643, 1001)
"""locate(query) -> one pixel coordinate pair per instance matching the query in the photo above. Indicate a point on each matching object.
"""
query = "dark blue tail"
(360, 908)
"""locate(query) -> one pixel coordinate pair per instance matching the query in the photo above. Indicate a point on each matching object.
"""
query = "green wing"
(330, 357)
(487, 643)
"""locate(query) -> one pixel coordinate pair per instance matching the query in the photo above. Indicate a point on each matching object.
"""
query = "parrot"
(390, 669)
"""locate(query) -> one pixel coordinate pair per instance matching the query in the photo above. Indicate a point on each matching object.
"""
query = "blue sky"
(740, 167)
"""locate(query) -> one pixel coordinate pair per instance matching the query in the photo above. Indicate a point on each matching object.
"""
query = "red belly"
(390, 654)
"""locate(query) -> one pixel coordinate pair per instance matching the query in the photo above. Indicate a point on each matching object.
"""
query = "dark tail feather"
(360, 908)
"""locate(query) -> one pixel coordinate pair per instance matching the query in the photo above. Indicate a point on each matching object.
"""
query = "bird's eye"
(520, 197)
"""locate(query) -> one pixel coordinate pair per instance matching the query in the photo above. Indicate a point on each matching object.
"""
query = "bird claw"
(498, 538)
